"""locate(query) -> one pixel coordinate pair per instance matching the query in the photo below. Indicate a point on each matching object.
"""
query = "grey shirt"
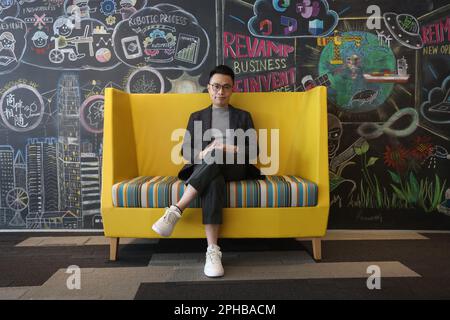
(221, 121)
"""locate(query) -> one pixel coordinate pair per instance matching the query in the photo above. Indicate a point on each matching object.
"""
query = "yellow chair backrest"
(143, 125)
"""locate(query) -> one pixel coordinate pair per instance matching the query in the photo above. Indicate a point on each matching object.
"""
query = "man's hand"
(208, 148)
(225, 147)
(218, 146)
(230, 148)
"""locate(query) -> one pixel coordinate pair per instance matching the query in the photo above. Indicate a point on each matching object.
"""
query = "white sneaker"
(213, 264)
(164, 226)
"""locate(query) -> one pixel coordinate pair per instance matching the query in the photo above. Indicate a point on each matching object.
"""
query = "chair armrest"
(119, 147)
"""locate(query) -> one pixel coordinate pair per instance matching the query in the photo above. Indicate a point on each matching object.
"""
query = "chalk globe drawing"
(349, 90)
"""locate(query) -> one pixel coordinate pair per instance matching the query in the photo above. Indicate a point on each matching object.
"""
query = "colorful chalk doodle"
(109, 12)
(250, 57)
(13, 32)
(145, 80)
(186, 84)
(335, 131)
(67, 42)
(259, 64)
(9, 8)
(432, 83)
(370, 130)
(338, 162)
(309, 83)
(164, 36)
(436, 108)
(22, 108)
(39, 16)
(91, 113)
(65, 46)
(348, 58)
(404, 28)
(286, 19)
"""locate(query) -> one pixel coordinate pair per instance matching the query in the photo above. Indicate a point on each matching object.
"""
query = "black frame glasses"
(216, 87)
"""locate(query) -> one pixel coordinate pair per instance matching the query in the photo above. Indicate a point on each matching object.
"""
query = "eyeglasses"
(216, 87)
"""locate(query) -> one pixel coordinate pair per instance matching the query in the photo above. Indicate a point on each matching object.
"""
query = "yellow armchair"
(137, 141)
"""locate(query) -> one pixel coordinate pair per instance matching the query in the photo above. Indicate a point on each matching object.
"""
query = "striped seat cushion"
(272, 192)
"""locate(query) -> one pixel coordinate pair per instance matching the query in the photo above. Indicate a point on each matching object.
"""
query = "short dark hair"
(222, 69)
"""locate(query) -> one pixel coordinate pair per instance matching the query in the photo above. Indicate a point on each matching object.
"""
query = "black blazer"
(239, 119)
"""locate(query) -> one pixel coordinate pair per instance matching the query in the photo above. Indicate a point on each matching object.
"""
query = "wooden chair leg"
(317, 249)
(113, 248)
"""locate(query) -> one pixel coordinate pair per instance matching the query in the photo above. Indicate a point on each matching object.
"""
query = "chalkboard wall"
(386, 65)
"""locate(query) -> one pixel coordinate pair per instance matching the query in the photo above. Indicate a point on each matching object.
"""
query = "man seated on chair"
(219, 160)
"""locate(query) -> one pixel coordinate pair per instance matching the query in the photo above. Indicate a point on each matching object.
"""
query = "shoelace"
(214, 257)
(170, 218)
